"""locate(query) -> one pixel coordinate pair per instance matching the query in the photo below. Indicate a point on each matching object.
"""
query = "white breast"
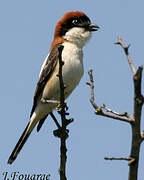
(72, 56)
(72, 73)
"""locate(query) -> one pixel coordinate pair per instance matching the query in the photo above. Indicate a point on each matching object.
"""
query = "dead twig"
(99, 109)
(125, 48)
(134, 120)
(125, 114)
(138, 102)
(118, 158)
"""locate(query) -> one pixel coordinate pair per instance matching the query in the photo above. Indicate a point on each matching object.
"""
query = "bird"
(72, 32)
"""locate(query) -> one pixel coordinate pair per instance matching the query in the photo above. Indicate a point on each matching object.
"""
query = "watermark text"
(23, 176)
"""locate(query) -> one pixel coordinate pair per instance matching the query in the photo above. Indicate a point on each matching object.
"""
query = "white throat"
(78, 36)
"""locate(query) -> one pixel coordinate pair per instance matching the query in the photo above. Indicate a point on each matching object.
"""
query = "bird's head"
(75, 27)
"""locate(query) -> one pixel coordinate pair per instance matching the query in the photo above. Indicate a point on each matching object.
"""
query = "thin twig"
(55, 120)
(118, 158)
(125, 114)
(135, 120)
(91, 84)
(99, 110)
(63, 149)
(125, 48)
(115, 117)
(129, 159)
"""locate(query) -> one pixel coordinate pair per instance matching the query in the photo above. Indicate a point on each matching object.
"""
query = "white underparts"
(77, 35)
(72, 55)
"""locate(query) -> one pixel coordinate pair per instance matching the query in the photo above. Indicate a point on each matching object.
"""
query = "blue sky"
(26, 31)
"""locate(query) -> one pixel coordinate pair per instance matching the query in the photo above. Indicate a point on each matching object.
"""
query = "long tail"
(22, 140)
(41, 122)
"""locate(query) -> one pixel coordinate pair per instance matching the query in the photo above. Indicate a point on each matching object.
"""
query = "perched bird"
(72, 32)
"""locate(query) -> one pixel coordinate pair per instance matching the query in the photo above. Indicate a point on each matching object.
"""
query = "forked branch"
(126, 48)
(134, 120)
(100, 110)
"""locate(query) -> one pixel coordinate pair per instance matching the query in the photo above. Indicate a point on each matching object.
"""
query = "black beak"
(93, 27)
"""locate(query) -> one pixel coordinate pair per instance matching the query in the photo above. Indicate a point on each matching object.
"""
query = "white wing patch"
(43, 65)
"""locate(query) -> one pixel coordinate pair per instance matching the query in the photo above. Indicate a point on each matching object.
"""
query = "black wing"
(40, 123)
(46, 73)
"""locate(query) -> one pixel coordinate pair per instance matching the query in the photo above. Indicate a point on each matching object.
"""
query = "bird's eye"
(75, 21)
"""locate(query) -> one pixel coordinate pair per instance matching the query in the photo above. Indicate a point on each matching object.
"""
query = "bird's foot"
(59, 108)
(45, 101)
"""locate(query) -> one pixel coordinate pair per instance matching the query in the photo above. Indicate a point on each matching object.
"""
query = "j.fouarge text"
(24, 176)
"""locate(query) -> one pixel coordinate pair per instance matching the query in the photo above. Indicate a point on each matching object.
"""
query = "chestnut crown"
(74, 19)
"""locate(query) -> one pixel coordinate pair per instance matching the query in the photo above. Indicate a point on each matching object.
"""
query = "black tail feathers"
(19, 145)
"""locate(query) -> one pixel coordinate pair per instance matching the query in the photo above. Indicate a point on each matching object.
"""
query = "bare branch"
(138, 102)
(55, 120)
(119, 158)
(136, 132)
(99, 110)
(115, 117)
(137, 85)
(125, 48)
(129, 159)
(91, 84)
(134, 120)
(125, 114)
(63, 149)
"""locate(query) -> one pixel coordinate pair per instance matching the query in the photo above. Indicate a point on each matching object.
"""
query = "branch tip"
(118, 158)
(126, 48)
